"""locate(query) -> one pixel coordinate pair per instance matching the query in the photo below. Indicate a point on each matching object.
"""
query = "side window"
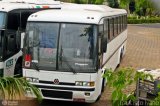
(13, 20)
(125, 21)
(106, 29)
(119, 24)
(115, 26)
(111, 28)
(13, 23)
(10, 43)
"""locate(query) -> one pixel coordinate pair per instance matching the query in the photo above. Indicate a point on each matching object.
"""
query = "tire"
(98, 97)
(103, 82)
(120, 57)
(102, 90)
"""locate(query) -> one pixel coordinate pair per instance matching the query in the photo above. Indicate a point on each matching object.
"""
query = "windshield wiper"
(65, 61)
(69, 66)
(35, 66)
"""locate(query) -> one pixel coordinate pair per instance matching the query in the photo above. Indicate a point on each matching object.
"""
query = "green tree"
(88, 1)
(113, 3)
(144, 7)
(98, 2)
(79, 1)
(119, 80)
(125, 4)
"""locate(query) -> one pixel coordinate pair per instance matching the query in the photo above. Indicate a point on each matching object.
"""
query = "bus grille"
(57, 94)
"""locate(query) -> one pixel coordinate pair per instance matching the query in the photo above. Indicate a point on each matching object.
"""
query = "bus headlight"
(79, 83)
(35, 80)
(84, 83)
(31, 79)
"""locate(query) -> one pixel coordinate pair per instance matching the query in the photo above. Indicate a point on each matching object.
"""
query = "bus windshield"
(62, 46)
(2, 19)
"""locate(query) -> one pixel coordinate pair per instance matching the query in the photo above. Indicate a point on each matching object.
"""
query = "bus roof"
(9, 5)
(77, 14)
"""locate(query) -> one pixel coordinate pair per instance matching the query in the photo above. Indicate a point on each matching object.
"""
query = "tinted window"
(106, 29)
(115, 27)
(13, 21)
(111, 28)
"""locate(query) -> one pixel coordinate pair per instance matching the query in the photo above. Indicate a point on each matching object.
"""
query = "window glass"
(42, 41)
(106, 29)
(13, 21)
(77, 47)
(119, 25)
(125, 21)
(111, 28)
(62, 46)
(3, 19)
(115, 26)
(122, 23)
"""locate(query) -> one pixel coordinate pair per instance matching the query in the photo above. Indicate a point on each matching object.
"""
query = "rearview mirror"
(104, 44)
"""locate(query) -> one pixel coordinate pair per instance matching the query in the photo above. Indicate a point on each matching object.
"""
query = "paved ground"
(143, 51)
(143, 46)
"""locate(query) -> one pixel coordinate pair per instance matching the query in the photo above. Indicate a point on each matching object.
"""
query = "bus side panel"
(9, 64)
(112, 56)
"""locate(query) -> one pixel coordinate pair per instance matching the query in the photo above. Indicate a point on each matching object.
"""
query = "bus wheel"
(103, 82)
(18, 70)
(102, 90)
(120, 58)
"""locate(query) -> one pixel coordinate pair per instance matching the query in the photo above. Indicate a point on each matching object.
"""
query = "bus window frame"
(97, 45)
(119, 29)
(106, 31)
(111, 27)
(119, 23)
(115, 26)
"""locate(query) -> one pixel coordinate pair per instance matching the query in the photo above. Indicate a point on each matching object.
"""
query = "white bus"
(13, 18)
(66, 55)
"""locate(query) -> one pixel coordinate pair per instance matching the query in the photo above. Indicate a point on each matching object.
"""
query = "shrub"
(118, 80)
(11, 87)
(144, 20)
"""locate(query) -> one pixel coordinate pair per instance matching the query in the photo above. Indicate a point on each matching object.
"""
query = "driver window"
(10, 38)
(10, 44)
